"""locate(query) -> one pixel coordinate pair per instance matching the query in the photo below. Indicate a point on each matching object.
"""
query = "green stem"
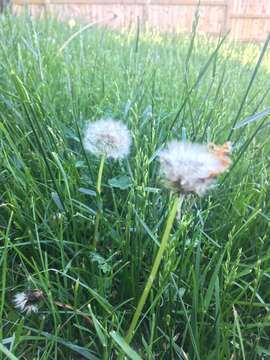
(100, 171)
(154, 269)
(4, 269)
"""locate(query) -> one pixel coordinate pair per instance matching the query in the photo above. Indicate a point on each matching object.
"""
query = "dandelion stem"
(154, 268)
(83, 29)
(100, 171)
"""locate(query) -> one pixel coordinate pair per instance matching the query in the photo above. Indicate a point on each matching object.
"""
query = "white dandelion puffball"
(27, 301)
(191, 168)
(107, 137)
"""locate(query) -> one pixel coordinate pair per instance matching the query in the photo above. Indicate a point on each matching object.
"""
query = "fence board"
(250, 19)
(246, 19)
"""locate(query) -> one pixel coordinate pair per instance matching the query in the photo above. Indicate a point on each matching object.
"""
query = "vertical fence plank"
(225, 25)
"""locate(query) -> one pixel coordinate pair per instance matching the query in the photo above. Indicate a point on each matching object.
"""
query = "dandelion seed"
(107, 137)
(71, 23)
(191, 168)
(28, 300)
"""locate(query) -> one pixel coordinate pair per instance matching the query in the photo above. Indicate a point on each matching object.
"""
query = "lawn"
(210, 298)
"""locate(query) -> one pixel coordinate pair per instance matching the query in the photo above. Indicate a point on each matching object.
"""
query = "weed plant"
(211, 297)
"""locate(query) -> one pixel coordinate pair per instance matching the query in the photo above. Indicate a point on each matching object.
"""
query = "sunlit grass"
(210, 299)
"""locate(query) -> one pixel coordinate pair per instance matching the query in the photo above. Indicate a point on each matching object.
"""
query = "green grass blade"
(5, 351)
(249, 85)
(124, 346)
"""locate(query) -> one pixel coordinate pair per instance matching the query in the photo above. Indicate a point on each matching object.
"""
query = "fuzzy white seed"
(27, 301)
(107, 137)
(190, 167)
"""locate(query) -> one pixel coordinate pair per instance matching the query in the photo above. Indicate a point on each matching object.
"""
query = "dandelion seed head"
(107, 137)
(27, 301)
(191, 168)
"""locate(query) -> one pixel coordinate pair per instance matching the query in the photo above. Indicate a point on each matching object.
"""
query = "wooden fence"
(246, 19)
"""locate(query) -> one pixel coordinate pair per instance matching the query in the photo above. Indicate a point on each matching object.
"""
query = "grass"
(210, 299)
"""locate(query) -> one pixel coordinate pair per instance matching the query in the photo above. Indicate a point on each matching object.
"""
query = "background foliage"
(211, 297)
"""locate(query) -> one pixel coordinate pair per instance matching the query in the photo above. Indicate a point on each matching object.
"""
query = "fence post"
(145, 12)
(225, 25)
(45, 7)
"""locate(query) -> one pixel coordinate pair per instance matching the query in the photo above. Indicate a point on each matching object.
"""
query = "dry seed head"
(28, 300)
(107, 137)
(191, 168)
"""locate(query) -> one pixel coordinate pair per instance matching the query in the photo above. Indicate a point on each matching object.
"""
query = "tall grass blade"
(249, 85)
(7, 353)
(124, 346)
(199, 78)
(252, 118)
